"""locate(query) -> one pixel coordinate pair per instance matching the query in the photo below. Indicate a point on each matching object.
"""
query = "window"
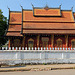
(59, 43)
(45, 41)
(16, 43)
(30, 43)
(73, 43)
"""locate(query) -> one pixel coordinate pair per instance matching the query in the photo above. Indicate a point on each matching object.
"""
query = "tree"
(3, 27)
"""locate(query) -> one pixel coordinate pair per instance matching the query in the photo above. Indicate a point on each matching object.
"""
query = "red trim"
(46, 22)
(44, 29)
(15, 24)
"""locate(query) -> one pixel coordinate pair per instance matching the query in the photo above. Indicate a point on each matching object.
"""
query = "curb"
(62, 68)
(11, 70)
(35, 69)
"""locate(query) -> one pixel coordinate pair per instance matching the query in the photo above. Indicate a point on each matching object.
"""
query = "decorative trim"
(30, 40)
(59, 39)
(45, 29)
(72, 40)
(45, 15)
(46, 22)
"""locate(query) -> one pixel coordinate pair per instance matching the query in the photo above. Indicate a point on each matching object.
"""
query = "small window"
(59, 43)
(45, 41)
(73, 43)
(30, 43)
(16, 43)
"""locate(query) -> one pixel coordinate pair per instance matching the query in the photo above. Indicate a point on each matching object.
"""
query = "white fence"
(36, 48)
(37, 56)
(16, 55)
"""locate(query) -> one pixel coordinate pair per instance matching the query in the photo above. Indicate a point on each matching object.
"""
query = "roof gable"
(47, 12)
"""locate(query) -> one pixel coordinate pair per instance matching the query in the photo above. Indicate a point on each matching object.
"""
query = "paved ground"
(52, 72)
(38, 67)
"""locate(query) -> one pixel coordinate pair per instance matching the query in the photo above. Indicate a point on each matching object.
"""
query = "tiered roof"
(15, 23)
(41, 20)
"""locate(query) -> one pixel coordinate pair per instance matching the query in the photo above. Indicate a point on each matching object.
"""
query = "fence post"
(41, 48)
(19, 48)
(22, 48)
(50, 48)
(58, 48)
(32, 48)
(2, 48)
(29, 48)
(35, 48)
(9, 48)
(53, 48)
(71, 48)
(25, 48)
(44, 48)
(6, 48)
(66, 48)
(16, 48)
(12, 48)
(47, 48)
(38, 48)
(63, 48)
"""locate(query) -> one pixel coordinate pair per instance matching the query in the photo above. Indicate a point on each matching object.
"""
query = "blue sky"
(14, 5)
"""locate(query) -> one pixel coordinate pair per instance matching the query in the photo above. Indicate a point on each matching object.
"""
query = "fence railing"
(35, 48)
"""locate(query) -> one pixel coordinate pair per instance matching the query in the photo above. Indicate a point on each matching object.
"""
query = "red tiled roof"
(15, 24)
(66, 17)
(14, 34)
(74, 15)
(14, 28)
(49, 31)
(49, 25)
(15, 17)
(46, 23)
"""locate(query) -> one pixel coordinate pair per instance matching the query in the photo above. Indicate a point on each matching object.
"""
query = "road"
(52, 72)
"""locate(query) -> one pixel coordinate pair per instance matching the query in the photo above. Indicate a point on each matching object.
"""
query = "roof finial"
(60, 6)
(8, 8)
(21, 6)
(32, 5)
(46, 7)
(72, 7)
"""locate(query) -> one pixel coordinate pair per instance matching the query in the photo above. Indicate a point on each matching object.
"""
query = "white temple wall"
(18, 56)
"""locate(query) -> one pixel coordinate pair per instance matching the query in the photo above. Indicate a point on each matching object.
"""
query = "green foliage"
(3, 27)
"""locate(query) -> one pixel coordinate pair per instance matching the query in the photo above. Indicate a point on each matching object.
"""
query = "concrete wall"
(21, 56)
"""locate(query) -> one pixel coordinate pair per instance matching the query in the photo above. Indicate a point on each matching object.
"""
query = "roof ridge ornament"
(21, 6)
(60, 6)
(72, 8)
(32, 5)
(46, 7)
(8, 8)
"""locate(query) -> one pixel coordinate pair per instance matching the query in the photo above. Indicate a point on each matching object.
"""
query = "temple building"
(41, 27)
